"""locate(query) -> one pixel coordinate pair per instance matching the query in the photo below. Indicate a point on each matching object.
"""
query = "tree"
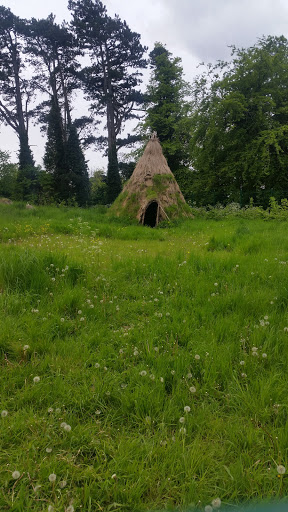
(16, 91)
(167, 111)
(53, 51)
(98, 182)
(8, 175)
(110, 82)
(239, 146)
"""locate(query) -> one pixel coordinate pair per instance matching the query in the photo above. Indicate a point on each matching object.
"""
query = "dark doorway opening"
(150, 216)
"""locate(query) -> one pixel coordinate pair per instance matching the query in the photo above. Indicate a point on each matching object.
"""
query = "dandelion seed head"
(264, 355)
(97, 365)
(52, 477)
(281, 469)
(182, 420)
(187, 408)
(197, 357)
(143, 373)
(208, 508)
(114, 476)
(63, 424)
(242, 363)
(189, 375)
(216, 503)
(192, 389)
(67, 428)
(36, 379)
(70, 508)
(4, 414)
(254, 349)
(16, 475)
(50, 508)
(26, 347)
(62, 484)
(48, 450)
(50, 409)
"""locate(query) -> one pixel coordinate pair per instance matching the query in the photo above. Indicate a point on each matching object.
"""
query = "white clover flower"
(192, 389)
(16, 475)
(187, 408)
(216, 503)
(52, 477)
(182, 420)
(62, 484)
(4, 414)
(26, 347)
(264, 355)
(197, 357)
(48, 450)
(36, 379)
(281, 469)
(143, 373)
(67, 428)
(208, 508)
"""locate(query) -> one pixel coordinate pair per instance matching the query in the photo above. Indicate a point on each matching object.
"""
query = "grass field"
(141, 369)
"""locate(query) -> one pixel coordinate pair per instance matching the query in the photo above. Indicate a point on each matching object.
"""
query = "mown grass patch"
(145, 368)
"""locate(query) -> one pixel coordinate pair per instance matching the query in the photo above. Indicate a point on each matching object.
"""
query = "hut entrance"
(151, 215)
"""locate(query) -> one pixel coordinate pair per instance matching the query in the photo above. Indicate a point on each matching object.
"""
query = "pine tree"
(77, 173)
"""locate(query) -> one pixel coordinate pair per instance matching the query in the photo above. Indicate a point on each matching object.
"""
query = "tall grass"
(126, 326)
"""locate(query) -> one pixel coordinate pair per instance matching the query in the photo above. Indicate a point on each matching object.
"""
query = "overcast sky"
(195, 30)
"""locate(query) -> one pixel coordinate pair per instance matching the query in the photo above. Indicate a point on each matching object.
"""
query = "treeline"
(224, 135)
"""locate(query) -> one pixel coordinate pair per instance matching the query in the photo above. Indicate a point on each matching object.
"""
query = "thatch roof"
(152, 191)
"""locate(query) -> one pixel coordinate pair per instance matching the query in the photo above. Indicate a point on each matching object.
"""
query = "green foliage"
(239, 143)
(166, 110)
(8, 175)
(98, 187)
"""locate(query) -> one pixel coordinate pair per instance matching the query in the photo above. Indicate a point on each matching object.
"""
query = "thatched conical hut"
(152, 194)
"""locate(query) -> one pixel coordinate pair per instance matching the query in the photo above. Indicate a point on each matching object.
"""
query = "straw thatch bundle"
(152, 193)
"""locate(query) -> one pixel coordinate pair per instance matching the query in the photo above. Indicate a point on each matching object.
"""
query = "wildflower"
(208, 508)
(187, 408)
(36, 379)
(189, 375)
(97, 365)
(242, 363)
(243, 375)
(255, 354)
(82, 319)
(114, 476)
(254, 349)
(135, 352)
(26, 347)
(215, 284)
(266, 317)
(67, 428)
(52, 477)
(63, 424)
(62, 484)
(143, 373)
(192, 389)
(264, 355)
(16, 475)
(172, 372)
(182, 420)
(216, 503)
(79, 312)
(161, 379)
(197, 357)
(48, 450)
(281, 469)
(62, 319)
(4, 414)
(98, 412)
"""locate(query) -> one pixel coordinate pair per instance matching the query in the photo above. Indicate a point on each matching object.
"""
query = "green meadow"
(141, 369)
